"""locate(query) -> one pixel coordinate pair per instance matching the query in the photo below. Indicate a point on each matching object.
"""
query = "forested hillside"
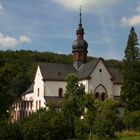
(17, 69)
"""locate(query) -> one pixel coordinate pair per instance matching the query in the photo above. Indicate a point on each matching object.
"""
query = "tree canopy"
(131, 72)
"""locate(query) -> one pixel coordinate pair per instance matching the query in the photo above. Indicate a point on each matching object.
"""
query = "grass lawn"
(130, 138)
(122, 138)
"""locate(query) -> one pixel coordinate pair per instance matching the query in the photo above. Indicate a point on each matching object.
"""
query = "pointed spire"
(80, 29)
(80, 45)
(80, 23)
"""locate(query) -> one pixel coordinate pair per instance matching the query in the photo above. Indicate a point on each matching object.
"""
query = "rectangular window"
(39, 104)
(38, 92)
(36, 105)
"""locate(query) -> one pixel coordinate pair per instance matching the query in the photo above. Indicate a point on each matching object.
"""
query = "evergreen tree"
(131, 73)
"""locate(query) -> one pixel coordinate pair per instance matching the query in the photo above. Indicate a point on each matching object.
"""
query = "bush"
(132, 120)
(105, 128)
(10, 131)
(105, 123)
(81, 128)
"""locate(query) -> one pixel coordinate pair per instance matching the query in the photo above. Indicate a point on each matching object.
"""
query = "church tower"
(79, 46)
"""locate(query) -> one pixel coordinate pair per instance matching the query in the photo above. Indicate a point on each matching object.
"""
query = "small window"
(60, 92)
(100, 70)
(97, 95)
(38, 92)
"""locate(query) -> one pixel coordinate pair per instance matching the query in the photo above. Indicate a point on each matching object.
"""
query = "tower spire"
(80, 23)
(79, 45)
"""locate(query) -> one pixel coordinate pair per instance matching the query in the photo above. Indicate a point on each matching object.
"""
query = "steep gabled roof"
(55, 100)
(58, 72)
(55, 71)
(118, 78)
(29, 90)
(86, 69)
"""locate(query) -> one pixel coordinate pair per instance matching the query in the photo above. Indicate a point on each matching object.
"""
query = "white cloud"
(135, 20)
(24, 39)
(132, 21)
(88, 5)
(11, 42)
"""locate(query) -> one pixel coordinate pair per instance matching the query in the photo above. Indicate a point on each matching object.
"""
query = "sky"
(50, 25)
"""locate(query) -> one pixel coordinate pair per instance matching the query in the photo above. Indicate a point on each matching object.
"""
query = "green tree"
(131, 73)
(106, 118)
(10, 131)
(132, 120)
(44, 125)
(72, 106)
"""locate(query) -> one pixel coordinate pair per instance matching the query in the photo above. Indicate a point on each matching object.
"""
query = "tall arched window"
(60, 92)
(102, 92)
(103, 96)
(97, 95)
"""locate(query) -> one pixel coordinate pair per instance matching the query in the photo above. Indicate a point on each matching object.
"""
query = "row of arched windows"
(101, 96)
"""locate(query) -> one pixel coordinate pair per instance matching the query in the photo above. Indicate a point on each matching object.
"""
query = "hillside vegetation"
(17, 70)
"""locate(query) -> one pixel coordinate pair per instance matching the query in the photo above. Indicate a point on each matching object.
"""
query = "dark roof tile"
(29, 90)
(86, 69)
(55, 71)
(55, 100)
(117, 75)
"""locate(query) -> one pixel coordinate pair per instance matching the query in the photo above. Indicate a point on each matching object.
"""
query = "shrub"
(132, 120)
(81, 128)
(105, 123)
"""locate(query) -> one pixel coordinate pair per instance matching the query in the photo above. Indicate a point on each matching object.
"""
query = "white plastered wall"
(52, 87)
(101, 78)
(38, 85)
(28, 96)
(117, 90)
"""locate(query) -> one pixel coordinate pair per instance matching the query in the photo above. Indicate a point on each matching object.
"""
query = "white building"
(50, 83)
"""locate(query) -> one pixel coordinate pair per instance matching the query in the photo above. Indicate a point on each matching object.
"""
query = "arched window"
(102, 92)
(97, 95)
(60, 92)
(102, 96)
